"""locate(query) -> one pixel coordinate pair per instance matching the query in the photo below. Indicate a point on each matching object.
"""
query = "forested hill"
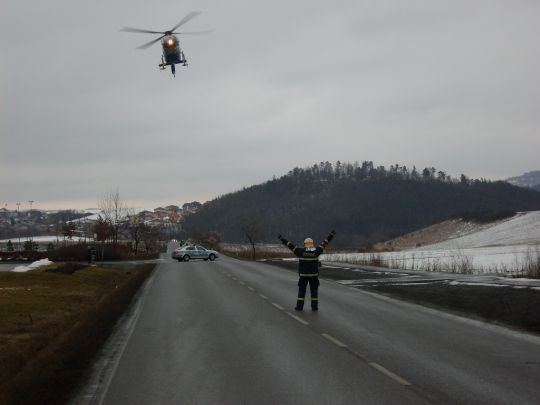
(363, 203)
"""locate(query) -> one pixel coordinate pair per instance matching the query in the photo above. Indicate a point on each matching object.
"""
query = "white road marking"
(278, 306)
(242, 283)
(333, 340)
(264, 297)
(360, 355)
(250, 288)
(388, 373)
(297, 318)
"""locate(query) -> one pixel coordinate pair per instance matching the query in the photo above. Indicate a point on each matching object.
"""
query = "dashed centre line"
(330, 338)
(388, 373)
(297, 318)
(333, 340)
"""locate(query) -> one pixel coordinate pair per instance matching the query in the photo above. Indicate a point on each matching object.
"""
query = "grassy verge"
(52, 323)
(503, 305)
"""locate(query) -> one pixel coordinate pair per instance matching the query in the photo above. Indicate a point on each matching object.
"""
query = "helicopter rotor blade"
(184, 20)
(193, 32)
(149, 44)
(130, 29)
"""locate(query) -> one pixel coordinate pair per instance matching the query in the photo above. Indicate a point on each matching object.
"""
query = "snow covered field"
(509, 247)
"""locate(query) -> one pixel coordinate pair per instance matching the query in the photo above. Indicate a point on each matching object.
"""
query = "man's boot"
(299, 304)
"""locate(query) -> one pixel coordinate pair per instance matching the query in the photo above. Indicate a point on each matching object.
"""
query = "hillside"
(364, 203)
(529, 179)
(436, 233)
(523, 228)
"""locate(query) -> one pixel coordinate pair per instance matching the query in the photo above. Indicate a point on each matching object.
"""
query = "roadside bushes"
(22, 256)
(79, 252)
(66, 268)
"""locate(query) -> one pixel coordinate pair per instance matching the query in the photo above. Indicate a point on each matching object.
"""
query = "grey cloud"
(276, 85)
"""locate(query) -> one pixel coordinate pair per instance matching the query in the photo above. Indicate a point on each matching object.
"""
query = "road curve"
(224, 332)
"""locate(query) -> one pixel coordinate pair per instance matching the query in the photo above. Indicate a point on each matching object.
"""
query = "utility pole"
(18, 232)
(31, 227)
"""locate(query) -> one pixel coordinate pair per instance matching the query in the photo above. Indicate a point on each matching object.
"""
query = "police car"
(187, 253)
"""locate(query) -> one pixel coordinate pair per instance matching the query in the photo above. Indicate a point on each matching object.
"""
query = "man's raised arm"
(328, 239)
(290, 245)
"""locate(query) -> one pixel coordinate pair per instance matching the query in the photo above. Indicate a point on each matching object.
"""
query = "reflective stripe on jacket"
(308, 264)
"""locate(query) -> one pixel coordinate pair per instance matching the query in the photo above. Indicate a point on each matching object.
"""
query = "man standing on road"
(308, 269)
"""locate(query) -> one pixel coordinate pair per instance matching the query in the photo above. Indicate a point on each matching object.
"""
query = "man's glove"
(282, 239)
(331, 236)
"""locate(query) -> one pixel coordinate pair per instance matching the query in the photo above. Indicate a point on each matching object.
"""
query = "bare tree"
(102, 231)
(209, 239)
(115, 212)
(151, 238)
(136, 228)
(68, 230)
(251, 230)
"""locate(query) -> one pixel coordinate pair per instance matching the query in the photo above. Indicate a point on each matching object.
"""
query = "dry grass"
(531, 264)
(527, 266)
(51, 325)
(460, 264)
(261, 251)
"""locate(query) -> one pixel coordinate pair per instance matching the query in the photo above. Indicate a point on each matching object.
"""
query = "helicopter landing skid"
(162, 65)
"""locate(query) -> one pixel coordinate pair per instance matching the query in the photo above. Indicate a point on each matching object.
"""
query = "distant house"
(192, 207)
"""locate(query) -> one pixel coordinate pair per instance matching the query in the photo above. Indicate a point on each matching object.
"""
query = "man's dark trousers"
(313, 288)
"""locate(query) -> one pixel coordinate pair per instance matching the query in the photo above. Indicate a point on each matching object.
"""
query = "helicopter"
(172, 54)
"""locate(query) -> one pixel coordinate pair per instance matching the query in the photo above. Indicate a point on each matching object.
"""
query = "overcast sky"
(278, 84)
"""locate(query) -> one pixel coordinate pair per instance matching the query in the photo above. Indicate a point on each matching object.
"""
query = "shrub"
(66, 268)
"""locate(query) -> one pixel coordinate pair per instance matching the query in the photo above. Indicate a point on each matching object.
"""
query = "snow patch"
(32, 266)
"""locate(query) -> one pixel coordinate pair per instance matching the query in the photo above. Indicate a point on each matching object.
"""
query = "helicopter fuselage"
(171, 50)
(172, 54)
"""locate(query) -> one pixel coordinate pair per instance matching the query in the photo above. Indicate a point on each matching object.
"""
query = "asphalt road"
(225, 332)
(9, 266)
